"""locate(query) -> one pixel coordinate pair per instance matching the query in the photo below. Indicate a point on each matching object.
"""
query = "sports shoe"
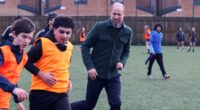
(188, 50)
(165, 77)
(193, 50)
(150, 77)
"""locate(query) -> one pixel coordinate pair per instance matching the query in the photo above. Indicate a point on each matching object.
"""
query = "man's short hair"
(65, 22)
(24, 25)
(51, 16)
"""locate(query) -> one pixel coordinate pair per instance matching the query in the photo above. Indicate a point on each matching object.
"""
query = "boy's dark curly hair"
(65, 22)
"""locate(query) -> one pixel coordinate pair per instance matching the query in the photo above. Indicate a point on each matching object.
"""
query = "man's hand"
(92, 74)
(48, 78)
(69, 85)
(119, 66)
(20, 93)
(20, 106)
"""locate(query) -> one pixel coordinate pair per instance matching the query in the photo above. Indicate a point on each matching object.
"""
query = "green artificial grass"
(180, 92)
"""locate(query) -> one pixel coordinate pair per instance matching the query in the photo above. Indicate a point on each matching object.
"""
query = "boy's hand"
(20, 93)
(48, 78)
(20, 106)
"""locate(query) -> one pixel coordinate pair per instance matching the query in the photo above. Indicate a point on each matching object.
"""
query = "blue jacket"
(155, 42)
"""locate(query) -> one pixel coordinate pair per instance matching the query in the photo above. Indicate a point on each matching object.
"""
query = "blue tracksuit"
(155, 42)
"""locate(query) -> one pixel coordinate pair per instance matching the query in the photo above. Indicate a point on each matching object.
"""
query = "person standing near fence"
(147, 32)
(110, 42)
(180, 39)
(82, 36)
(42, 32)
(156, 52)
(192, 39)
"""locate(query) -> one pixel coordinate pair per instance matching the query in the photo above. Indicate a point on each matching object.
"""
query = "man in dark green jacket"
(110, 42)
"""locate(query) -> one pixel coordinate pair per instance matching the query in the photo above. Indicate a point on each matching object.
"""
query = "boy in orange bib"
(52, 53)
(12, 61)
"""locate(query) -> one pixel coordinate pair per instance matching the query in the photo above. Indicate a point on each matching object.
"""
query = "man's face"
(117, 15)
(193, 29)
(62, 34)
(22, 39)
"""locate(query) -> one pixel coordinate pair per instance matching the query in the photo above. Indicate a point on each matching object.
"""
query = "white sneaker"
(166, 77)
(150, 77)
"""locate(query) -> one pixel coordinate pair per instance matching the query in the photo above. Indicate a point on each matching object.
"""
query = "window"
(80, 1)
(162, 7)
(113, 1)
(40, 7)
(51, 5)
(2, 1)
(29, 5)
(145, 5)
(196, 2)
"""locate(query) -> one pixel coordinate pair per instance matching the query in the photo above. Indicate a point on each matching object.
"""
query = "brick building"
(87, 12)
(190, 8)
